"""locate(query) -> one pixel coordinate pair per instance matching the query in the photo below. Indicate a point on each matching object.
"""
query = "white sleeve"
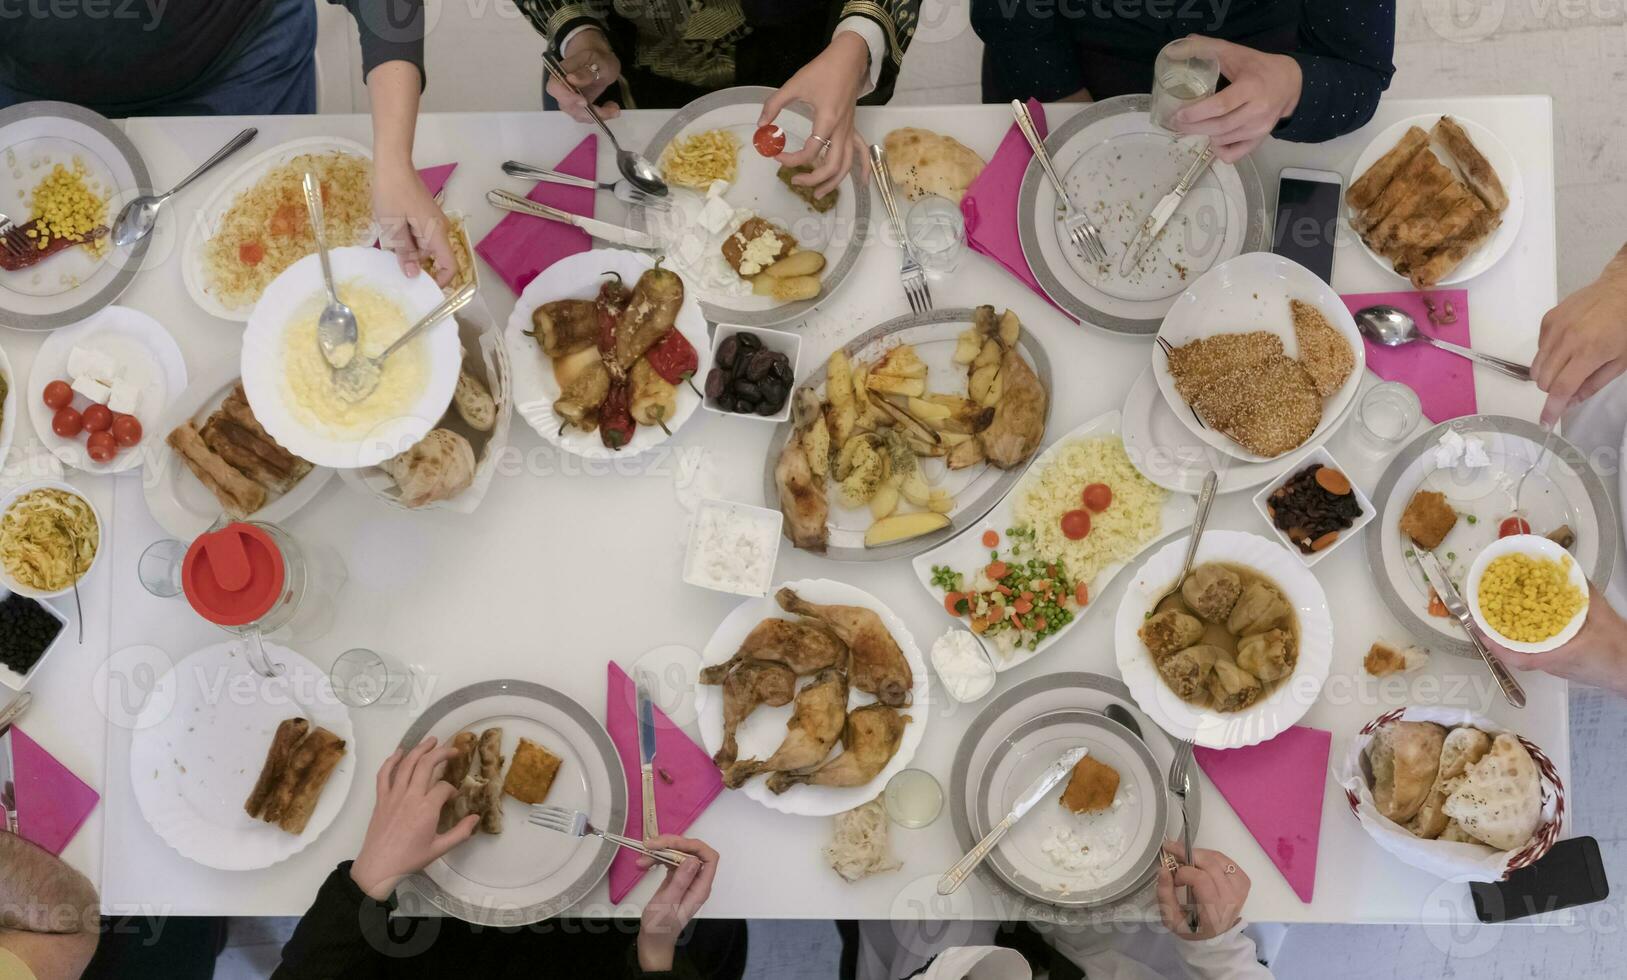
(870, 31)
(1228, 956)
(565, 42)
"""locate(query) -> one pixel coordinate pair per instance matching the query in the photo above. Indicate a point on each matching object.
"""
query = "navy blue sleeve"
(1345, 53)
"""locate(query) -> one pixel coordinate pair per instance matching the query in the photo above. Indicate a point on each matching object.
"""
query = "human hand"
(1264, 90)
(1583, 343)
(1219, 888)
(410, 222)
(681, 895)
(401, 836)
(588, 50)
(1596, 655)
(831, 83)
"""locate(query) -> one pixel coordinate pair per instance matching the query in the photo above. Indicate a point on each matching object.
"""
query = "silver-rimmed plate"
(976, 489)
(1116, 165)
(73, 284)
(693, 249)
(526, 874)
(1564, 490)
(1066, 692)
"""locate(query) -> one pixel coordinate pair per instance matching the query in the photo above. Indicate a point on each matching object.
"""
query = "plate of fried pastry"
(1437, 199)
(1259, 358)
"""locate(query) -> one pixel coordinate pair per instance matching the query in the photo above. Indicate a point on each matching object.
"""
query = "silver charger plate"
(1565, 489)
(1116, 165)
(977, 489)
(526, 874)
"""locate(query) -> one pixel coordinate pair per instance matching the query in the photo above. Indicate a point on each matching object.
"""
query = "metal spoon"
(1206, 499)
(137, 219)
(360, 377)
(336, 327)
(638, 171)
(623, 190)
(1119, 713)
(1390, 327)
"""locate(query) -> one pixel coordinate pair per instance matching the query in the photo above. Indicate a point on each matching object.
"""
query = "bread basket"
(1451, 860)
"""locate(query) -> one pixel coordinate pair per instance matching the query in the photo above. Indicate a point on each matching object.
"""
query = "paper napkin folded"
(1444, 382)
(1276, 788)
(686, 781)
(520, 246)
(989, 207)
(435, 178)
(52, 803)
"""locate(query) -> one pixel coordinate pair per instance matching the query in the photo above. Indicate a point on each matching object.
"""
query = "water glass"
(1385, 416)
(913, 798)
(937, 232)
(362, 677)
(159, 567)
(1180, 77)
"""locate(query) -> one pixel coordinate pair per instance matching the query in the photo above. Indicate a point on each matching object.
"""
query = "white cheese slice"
(717, 189)
(124, 398)
(92, 389)
(82, 362)
(715, 216)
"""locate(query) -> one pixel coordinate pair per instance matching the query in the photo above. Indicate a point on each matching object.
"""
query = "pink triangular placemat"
(52, 803)
(1444, 382)
(1276, 788)
(521, 246)
(435, 178)
(989, 207)
(686, 780)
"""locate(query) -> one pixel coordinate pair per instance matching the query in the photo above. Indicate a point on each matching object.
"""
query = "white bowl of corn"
(1527, 593)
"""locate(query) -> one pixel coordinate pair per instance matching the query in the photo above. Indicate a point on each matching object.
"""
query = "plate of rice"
(1022, 576)
(255, 226)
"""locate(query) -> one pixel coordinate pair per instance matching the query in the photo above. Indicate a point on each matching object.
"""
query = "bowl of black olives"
(29, 629)
(753, 373)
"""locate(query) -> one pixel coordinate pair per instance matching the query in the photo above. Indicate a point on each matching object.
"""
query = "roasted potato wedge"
(816, 444)
(984, 384)
(1009, 330)
(787, 290)
(900, 362)
(885, 500)
(967, 346)
(900, 527)
(796, 265)
(889, 384)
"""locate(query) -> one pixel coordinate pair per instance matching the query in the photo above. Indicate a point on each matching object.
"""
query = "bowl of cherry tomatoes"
(106, 433)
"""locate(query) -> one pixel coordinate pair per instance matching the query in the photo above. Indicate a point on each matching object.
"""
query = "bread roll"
(491, 774)
(326, 749)
(1463, 746)
(1500, 801)
(440, 466)
(474, 403)
(1405, 756)
(288, 735)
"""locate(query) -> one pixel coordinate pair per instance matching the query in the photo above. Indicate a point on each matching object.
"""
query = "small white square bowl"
(10, 678)
(789, 344)
(769, 520)
(1318, 455)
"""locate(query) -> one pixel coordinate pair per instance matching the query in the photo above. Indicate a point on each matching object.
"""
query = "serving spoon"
(1206, 499)
(360, 377)
(638, 171)
(137, 219)
(336, 326)
(1390, 327)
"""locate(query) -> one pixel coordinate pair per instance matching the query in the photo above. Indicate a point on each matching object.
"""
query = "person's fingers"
(464, 830)
(1216, 106)
(1610, 371)
(439, 246)
(644, 863)
(1569, 379)
(1213, 862)
(1553, 358)
(440, 792)
(777, 100)
(861, 158)
(837, 163)
(1168, 908)
(609, 110)
(386, 775)
(826, 124)
(423, 768)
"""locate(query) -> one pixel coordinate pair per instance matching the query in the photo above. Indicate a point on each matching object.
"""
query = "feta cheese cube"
(717, 189)
(92, 389)
(715, 216)
(124, 397)
(81, 362)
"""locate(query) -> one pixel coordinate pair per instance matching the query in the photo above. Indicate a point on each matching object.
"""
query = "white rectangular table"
(567, 567)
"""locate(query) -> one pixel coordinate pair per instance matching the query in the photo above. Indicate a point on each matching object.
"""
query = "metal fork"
(911, 275)
(1081, 232)
(574, 823)
(1168, 349)
(622, 189)
(11, 237)
(1180, 783)
(1519, 488)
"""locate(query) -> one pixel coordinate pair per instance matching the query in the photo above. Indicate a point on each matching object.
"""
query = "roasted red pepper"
(673, 358)
(611, 302)
(31, 253)
(616, 425)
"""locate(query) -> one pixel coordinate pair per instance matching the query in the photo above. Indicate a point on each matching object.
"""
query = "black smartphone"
(1570, 874)
(1308, 218)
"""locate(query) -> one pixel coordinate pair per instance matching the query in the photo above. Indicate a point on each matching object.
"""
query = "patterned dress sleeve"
(898, 19)
(556, 19)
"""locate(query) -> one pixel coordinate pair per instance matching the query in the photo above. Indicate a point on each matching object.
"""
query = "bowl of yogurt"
(963, 665)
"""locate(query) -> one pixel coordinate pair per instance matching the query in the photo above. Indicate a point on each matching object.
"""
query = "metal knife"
(646, 751)
(8, 785)
(508, 201)
(1457, 607)
(1156, 219)
(1036, 791)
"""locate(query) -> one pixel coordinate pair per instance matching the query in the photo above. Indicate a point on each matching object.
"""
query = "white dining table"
(568, 566)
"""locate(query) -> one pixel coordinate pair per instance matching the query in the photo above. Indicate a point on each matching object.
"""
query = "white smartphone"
(1308, 218)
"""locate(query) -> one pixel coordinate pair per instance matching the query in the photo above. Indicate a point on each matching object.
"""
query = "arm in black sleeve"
(341, 935)
(897, 19)
(556, 19)
(1344, 58)
(391, 30)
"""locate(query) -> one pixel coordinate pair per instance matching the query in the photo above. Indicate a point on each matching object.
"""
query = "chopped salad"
(1018, 598)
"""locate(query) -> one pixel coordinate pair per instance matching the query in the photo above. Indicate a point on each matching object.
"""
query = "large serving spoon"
(1206, 499)
(1390, 327)
(336, 326)
(638, 171)
(137, 219)
(360, 377)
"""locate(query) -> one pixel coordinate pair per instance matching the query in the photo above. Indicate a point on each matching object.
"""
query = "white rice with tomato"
(1117, 533)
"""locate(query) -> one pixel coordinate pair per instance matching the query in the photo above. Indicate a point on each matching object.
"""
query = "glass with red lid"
(255, 580)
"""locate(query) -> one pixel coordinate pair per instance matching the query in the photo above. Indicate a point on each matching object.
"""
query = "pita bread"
(1405, 756)
(1463, 747)
(923, 163)
(1501, 800)
(1454, 832)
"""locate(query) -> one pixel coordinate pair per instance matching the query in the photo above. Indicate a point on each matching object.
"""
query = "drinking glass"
(362, 677)
(159, 567)
(935, 228)
(913, 798)
(1180, 77)
(1385, 416)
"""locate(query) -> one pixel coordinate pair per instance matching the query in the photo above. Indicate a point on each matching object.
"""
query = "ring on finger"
(1170, 864)
(594, 68)
(824, 144)
(1231, 869)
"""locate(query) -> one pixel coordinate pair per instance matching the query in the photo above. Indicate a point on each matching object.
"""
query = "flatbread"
(1463, 747)
(1405, 756)
(1501, 800)
(923, 163)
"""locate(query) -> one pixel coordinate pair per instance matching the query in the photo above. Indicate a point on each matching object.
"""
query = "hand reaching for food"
(1264, 90)
(592, 67)
(1583, 343)
(681, 894)
(831, 83)
(402, 836)
(1219, 889)
(411, 224)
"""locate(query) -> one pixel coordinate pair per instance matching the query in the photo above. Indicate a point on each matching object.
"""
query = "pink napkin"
(52, 803)
(989, 207)
(1276, 789)
(435, 178)
(695, 780)
(521, 246)
(1444, 382)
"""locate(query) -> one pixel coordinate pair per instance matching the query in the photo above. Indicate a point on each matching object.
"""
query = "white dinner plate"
(1249, 293)
(966, 552)
(536, 388)
(201, 739)
(177, 500)
(1287, 702)
(1496, 153)
(8, 406)
(151, 360)
(696, 252)
(764, 729)
(265, 353)
(193, 270)
(526, 873)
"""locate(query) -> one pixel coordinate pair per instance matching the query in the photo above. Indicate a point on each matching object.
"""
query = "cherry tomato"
(101, 446)
(250, 253)
(769, 140)
(1076, 524)
(58, 394)
(1097, 497)
(67, 423)
(126, 430)
(991, 538)
(1512, 526)
(98, 418)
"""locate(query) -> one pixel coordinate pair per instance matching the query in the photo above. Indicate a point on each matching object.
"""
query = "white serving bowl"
(1317, 455)
(1536, 546)
(769, 520)
(781, 341)
(10, 678)
(101, 535)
